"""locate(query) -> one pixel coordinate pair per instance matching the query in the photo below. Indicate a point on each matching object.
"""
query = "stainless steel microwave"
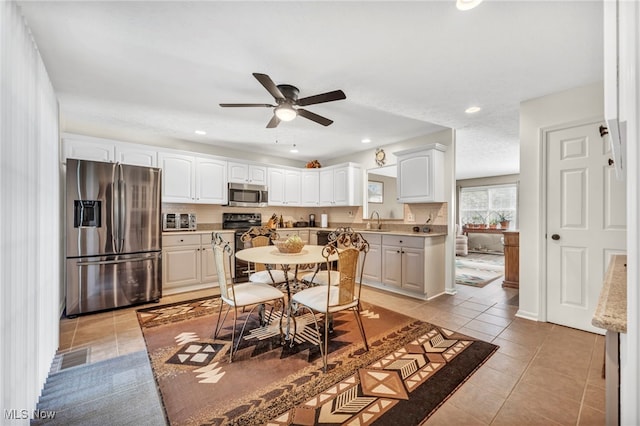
(245, 195)
(179, 222)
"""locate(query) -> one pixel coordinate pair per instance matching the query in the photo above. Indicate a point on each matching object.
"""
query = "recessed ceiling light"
(366, 140)
(200, 132)
(472, 109)
(467, 4)
(293, 150)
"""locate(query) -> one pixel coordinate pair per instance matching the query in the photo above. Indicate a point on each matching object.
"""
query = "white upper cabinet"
(191, 179)
(211, 183)
(284, 187)
(178, 177)
(136, 155)
(341, 185)
(310, 188)
(110, 151)
(247, 173)
(85, 148)
(421, 174)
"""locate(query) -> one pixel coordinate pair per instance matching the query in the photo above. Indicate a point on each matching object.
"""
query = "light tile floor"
(543, 374)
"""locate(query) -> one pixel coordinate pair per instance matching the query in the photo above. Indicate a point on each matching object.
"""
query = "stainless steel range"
(241, 223)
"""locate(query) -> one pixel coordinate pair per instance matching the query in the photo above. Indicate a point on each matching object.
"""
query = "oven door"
(244, 195)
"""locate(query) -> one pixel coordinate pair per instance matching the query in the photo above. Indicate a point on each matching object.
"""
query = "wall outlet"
(411, 217)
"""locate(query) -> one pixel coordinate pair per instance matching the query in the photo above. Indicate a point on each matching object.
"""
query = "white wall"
(630, 111)
(535, 115)
(30, 233)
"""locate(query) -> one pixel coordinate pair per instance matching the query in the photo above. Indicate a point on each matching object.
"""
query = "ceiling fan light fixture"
(285, 112)
(467, 4)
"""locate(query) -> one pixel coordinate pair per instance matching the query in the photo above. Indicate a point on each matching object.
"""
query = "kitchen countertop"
(364, 231)
(611, 312)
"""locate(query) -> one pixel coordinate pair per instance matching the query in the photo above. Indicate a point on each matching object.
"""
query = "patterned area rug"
(411, 368)
(477, 272)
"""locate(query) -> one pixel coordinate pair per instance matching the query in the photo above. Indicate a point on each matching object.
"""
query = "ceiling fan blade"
(246, 105)
(314, 117)
(274, 122)
(336, 95)
(268, 84)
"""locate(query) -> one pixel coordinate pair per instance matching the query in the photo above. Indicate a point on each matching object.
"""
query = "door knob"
(555, 237)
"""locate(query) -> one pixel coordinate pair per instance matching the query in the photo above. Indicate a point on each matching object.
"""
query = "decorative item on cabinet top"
(314, 164)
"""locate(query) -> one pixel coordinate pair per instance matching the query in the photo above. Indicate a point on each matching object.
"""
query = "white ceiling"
(157, 70)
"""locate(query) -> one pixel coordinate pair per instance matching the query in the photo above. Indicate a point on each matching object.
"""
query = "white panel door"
(391, 266)
(585, 223)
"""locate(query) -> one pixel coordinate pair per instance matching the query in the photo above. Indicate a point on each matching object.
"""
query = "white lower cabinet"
(188, 262)
(405, 264)
(373, 262)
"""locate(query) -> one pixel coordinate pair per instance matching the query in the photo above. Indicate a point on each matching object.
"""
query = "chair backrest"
(259, 236)
(351, 248)
(220, 249)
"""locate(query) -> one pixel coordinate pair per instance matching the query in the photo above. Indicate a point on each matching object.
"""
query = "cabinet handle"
(182, 241)
(397, 251)
(400, 241)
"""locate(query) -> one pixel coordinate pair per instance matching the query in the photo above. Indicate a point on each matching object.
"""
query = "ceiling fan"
(287, 102)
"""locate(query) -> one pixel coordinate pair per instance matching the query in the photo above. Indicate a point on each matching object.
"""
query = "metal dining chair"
(343, 295)
(239, 295)
(323, 276)
(259, 236)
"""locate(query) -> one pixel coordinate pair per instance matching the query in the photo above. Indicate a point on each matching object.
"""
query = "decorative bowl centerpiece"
(293, 244)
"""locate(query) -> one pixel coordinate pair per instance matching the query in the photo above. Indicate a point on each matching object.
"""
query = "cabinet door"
(136, 155)
(181, 266)
(89, 150)
(304, 235)
(238, 172)
(257, 175)
(310, 188)
(391, 266)
(326, 187)
(413, 269)
(292, 187)
(178, 176)
(276, 187)
(341, 186)
(373, 265)
(209, 269)
(211, 183)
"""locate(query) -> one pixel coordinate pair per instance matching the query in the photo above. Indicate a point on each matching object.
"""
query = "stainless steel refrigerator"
(113, 230)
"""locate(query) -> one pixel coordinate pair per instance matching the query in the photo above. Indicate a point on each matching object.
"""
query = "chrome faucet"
(378, 215)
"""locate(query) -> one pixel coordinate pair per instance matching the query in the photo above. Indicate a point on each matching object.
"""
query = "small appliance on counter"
(312, 220)
(179, 222)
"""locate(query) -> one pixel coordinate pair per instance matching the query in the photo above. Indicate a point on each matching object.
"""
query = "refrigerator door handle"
(115, 216)
(122, 206)
(113, 262)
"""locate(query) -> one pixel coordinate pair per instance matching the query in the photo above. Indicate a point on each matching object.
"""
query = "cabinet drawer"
(400, 240)
(180, 240)
(283, 235)
(372, 239)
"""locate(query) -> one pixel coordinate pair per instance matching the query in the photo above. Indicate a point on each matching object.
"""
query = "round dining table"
(309, 255)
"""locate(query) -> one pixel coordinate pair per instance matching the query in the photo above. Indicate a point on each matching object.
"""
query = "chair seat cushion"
(316, 299)
(254, 293)
(265, 278)
(322, 277)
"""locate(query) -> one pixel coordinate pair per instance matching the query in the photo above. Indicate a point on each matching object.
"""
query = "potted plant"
(479, 221)
(493, 223)
(504, 218)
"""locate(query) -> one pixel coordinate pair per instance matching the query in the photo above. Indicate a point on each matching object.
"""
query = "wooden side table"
(511, 259)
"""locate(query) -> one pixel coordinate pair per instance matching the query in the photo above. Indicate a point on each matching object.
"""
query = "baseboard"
(527, 315)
